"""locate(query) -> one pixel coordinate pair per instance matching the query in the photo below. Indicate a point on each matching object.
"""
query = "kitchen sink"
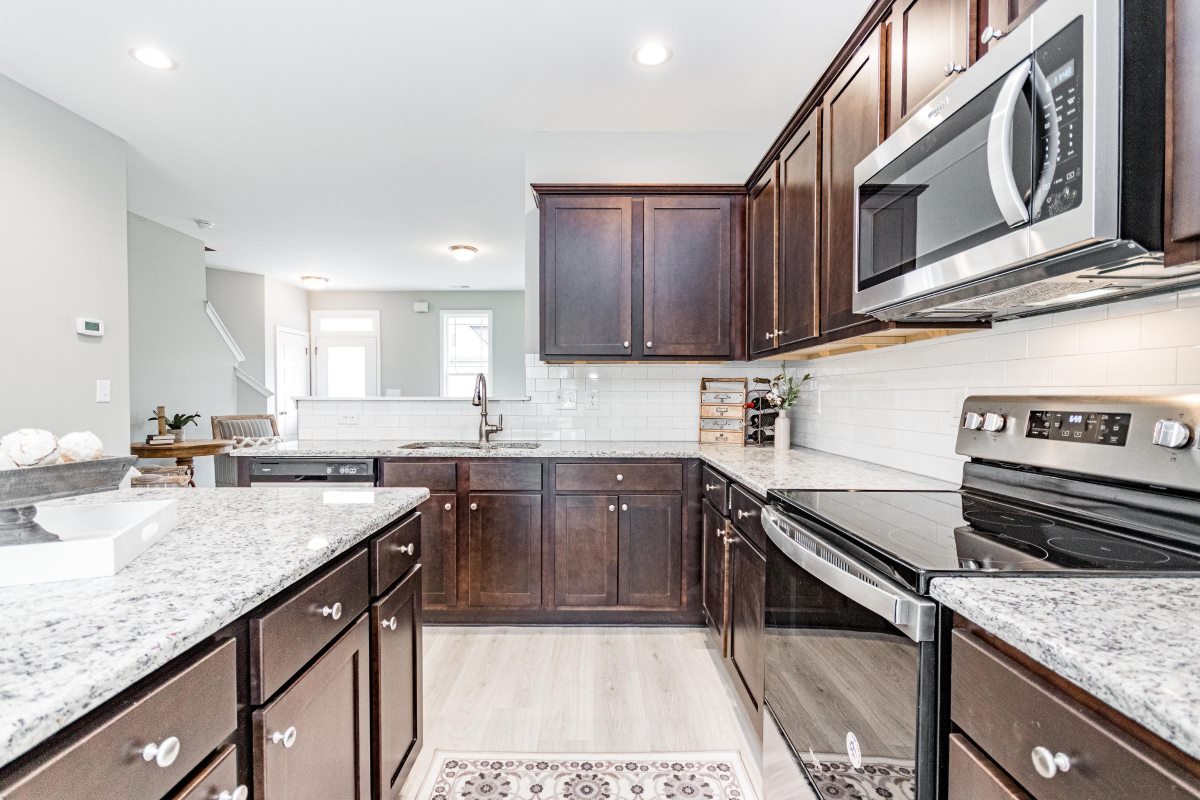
(470, 446)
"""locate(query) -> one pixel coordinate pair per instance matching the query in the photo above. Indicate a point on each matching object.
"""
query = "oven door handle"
(999, 148)
(916, 617)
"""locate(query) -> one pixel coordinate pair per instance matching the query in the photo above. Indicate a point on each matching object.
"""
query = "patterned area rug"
(542, 776)
(875, 778)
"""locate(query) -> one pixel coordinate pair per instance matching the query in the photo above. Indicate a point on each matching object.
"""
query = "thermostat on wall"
(421, 306)
(89, 327)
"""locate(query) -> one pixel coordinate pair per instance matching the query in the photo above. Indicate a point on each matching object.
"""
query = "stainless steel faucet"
(486, 429)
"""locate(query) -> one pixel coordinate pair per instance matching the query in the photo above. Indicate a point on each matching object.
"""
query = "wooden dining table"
(185, 453)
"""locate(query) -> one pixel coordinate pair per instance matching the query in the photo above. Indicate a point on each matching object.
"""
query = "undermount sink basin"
(470, 446)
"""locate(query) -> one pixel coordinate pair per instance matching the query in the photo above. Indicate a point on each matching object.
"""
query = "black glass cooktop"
(919, 535)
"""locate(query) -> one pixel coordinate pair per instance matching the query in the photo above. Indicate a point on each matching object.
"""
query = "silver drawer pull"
(162, 753)
(409, 549)
(744, 514)
(625, 344)
(620, 477)
(388, 624)
(334, 611)
(239, 793)
(612, 508)
(649, 344)
(447, 506)
(1049, 764)
(991, 33)
(474, 506)
(710, 487)
(286, 738)
(624, 506)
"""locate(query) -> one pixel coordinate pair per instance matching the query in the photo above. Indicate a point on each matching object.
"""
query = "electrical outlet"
(593, 398)
(349, 418)
(103, 391)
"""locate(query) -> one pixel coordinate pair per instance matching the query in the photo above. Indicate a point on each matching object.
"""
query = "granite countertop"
(1130, 642)
(757, 468)
(67, 647)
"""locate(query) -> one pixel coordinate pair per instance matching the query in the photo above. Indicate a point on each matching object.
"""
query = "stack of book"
(160, 438)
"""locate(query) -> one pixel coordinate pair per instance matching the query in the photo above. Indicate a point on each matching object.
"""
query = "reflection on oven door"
(782, 777)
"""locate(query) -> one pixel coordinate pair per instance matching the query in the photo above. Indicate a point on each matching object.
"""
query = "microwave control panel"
(1060, 62)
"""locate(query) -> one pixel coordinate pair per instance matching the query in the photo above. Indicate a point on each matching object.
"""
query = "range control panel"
(1084, 427)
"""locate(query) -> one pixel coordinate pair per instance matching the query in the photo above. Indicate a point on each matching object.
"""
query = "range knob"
(993, 422)
(972, 421)
(1172, 434)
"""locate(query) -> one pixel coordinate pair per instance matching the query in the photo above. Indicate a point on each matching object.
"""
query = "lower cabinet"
(217, 781)
(586, 531)
(747, 635)
(396, 685)
(439, 550)
(715, 555)
(312, 741)
(649, 556)
(505, 568)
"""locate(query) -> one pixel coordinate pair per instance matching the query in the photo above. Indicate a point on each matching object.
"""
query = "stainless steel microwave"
(1034, 182)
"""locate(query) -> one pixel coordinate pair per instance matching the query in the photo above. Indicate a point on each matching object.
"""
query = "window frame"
(314, 321)
(443, 316)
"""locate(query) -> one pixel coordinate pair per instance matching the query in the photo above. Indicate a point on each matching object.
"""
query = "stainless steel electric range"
(857, 663)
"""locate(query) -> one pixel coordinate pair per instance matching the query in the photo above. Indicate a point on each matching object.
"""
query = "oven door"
(851, 684)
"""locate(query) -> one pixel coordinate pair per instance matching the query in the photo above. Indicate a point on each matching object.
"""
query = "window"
(466, 350)
(346, 353)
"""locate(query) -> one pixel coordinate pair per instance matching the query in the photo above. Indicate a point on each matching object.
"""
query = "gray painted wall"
(411, 343)
(62, 251)
(178, 358)
(239, 298)
(285, 306)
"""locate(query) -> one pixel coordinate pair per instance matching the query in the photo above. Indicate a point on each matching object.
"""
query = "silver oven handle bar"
(916, 617)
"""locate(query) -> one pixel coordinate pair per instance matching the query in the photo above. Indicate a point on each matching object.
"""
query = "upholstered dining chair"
(244, 429)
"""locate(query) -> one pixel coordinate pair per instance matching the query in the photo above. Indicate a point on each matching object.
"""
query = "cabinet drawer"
(716, 489)
(721, 437)
(618, 477)
(721, 424)
(973, 776)
(285, 638)
(724, 411)
(219, 776)
(394, 553)
(197, 706)
(434, 476)
(1008, 712)
(508, 476)
(746, 512)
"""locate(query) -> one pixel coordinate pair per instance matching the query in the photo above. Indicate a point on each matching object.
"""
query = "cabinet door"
(312, 742)
(799, 233)
(585, 550)
(439, 550)
(1183, 149)
(587, 275)
(1004, 15)
(747, 638)
(505, 551)
(713, 552)
(762, 254)
(396, 685)
(929, 43)
(851, 123)
(686, 276)
(650, 551)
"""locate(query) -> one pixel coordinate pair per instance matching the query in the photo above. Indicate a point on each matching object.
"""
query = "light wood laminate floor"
(577, 690)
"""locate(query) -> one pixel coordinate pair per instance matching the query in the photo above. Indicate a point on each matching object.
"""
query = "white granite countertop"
(67, 647)
(757, 468)
(1131, 642)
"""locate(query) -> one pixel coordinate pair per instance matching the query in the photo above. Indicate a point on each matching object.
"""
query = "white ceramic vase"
(783, 432)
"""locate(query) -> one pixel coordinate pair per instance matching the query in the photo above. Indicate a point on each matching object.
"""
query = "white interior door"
(291, 377)
(347, 366)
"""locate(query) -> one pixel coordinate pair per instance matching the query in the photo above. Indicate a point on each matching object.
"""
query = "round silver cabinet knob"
(954, 69)
(620, 477)
(388, 624)
(447, 506)
(770, 335)
(708, 487)
(649, 344)
(239, 793)
(612, 508)
(625, 344)
(990, 34)
(624, 506)
(162, 753)
(744, 514)
(408, 549)
(286, 738)
(474, 506)
(1049, 764)
(334, 611)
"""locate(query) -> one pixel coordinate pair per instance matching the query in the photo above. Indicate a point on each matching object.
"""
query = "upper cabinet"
(852, 118)
(929, 43)
(644, 275)
(998, 17)
(1183, 134)
(761, 257)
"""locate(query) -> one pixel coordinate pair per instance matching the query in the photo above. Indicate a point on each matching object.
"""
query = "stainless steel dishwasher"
(280, 472)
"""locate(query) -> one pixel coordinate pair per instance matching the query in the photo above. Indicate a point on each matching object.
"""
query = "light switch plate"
(566, 399)
(103, 391)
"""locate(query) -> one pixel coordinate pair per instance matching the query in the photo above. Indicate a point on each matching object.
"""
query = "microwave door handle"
(1045, 97)
(914, 616)
(999, 148)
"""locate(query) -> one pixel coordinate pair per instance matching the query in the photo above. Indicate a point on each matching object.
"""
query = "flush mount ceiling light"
(652, 54)
(152, 57)
(460, 286)
(313, 281)
(203, 224)
(463, 252)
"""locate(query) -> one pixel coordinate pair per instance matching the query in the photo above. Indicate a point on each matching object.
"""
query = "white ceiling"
(359, 139)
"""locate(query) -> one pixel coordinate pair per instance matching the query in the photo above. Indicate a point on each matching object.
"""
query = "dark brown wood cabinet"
(686, 277)
(851, 123)
(929, 44)
(585, 550)
(1183, 133)
(1002, 16)
(747, 635)
(396, 684)
(505, 550)
(762, 255)
(714, 555)
(587, 276)
(799, 235)
(313, 740)
(439, 550)
(649, 552)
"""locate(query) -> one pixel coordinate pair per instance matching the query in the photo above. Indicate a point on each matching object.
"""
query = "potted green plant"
(177, 423)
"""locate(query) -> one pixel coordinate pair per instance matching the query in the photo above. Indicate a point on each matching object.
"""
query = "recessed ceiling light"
(652, 54)
(463, 252)
(152, 57)
(313, 281)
